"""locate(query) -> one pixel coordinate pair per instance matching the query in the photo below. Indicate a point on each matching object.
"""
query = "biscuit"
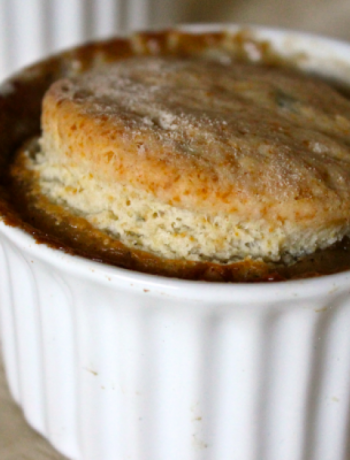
(200, 160)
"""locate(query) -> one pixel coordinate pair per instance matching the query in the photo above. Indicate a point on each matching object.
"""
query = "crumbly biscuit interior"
(141, 221)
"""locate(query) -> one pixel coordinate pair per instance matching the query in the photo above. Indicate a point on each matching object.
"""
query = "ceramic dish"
(111, 364)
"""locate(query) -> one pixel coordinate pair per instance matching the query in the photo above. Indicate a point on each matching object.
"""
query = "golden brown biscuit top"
(239, 138)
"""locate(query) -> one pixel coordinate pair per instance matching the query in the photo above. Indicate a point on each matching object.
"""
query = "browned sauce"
(22, 205)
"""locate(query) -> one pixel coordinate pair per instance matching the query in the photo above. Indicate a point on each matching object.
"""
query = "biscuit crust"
(243, 142)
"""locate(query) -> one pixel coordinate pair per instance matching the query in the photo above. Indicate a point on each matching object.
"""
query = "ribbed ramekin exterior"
(113, 372)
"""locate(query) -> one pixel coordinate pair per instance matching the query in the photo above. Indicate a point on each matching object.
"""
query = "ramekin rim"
(180, 288)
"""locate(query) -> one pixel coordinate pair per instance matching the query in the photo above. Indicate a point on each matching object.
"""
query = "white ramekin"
(110, 364)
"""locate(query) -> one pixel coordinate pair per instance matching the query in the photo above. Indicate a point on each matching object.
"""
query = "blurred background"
(31, 29)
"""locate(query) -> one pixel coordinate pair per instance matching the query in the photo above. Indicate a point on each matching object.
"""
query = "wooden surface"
(17, 440)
